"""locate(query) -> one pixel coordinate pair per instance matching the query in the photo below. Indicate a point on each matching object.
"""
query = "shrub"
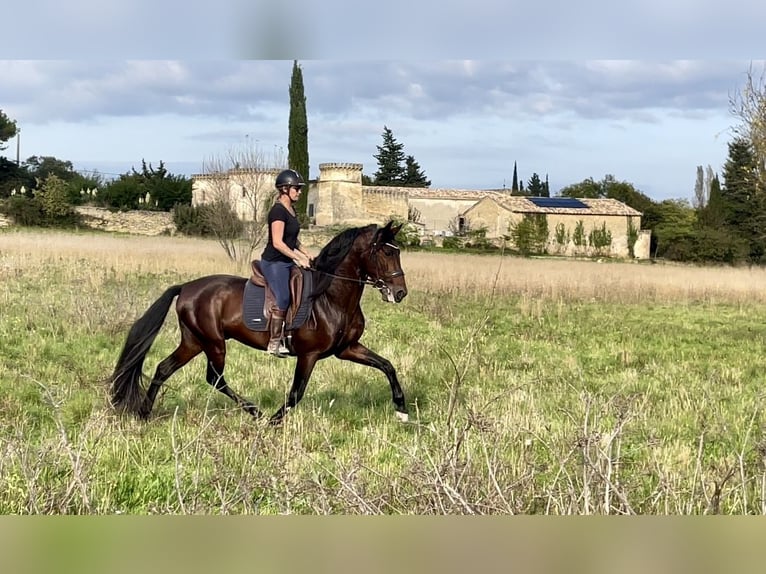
(49, 206)
(578, 237)
(408, 235)
(123, 193)
(452, 242)
(562, 237)
(477, 239)
(530, 235)
(600, 238)
(54, 199)
(191, 220)
(26, 211)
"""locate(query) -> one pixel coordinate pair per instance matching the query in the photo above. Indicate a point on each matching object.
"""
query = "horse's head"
(382, 264)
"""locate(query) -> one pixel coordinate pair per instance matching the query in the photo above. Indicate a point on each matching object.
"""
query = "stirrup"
(278, 349)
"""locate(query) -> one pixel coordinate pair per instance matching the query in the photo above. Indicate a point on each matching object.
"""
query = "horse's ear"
(389, 230)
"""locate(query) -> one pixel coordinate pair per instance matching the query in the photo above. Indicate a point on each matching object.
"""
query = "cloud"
(463, 120)
(41, 91)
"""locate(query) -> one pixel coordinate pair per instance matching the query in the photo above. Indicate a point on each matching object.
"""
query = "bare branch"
(237, 190)
(748, 105)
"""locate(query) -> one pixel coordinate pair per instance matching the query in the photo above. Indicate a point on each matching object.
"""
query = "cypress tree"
(515, 184)
(298, 143)
(712, 214)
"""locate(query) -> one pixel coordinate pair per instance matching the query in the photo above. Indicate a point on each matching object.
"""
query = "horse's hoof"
(253, 411)
(403, 417)
(275, 421)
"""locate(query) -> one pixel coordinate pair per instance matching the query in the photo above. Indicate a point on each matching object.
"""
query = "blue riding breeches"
(277, 274)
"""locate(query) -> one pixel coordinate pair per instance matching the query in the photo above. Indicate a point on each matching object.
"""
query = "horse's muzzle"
(393, 294)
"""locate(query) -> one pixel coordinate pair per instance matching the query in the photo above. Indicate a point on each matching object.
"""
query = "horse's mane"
(332, 254)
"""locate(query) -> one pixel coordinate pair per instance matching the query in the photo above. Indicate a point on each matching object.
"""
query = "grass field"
(535, 386)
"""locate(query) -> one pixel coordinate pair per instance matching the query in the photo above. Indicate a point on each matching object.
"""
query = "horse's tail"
(127, 393)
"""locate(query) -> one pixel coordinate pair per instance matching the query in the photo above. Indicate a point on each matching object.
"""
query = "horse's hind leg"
(216, 361)
(187, 349)
(303, 368)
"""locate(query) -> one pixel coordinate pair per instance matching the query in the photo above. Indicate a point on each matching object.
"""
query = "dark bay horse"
(209, 312)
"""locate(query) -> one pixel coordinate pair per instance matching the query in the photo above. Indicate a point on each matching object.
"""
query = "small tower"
(338, 194)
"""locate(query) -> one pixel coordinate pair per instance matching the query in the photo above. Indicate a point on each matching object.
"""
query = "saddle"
(296, 291)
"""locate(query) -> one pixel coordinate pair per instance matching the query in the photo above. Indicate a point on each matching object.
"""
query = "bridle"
(379, 282)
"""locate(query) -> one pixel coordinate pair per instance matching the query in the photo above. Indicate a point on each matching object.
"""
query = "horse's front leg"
(303, 368)
(358, 353)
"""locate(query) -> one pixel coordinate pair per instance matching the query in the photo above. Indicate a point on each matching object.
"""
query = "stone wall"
(136, 222)
(381, 205)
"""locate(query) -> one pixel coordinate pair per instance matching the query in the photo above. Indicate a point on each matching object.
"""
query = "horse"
(210, 311)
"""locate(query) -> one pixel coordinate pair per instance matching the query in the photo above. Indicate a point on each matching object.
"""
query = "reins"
(354, 279)
(379, 283)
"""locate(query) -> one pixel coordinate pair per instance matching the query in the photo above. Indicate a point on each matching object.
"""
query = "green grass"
(519, 406)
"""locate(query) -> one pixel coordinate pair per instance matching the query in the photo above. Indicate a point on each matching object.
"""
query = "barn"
(585, 226)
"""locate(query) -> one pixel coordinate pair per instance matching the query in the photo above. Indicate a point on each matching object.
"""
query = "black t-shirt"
(292, 227)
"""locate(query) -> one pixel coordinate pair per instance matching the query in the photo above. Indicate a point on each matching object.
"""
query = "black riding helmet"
(289, 177)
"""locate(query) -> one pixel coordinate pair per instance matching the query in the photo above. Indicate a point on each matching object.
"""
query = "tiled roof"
(436, 193)
(601, 206)
(515, 203)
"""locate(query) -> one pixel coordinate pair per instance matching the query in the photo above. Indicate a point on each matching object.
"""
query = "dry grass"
(430, 272)
(579, 280)
(526, 407)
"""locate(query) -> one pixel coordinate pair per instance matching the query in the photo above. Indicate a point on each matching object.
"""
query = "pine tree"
(298, 144)
(535, 187)
(390, 156)
(744, 208)
(739, 184)
(414, 175)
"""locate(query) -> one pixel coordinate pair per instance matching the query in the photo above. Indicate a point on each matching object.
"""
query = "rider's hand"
(302, 261)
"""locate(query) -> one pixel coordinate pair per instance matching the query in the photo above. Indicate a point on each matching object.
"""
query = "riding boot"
(276, 346)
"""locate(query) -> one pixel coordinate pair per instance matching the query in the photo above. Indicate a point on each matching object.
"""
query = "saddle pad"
(255, 297)
(252, 308)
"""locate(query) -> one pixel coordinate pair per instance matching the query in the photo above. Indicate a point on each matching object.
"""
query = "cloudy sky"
(648, 108)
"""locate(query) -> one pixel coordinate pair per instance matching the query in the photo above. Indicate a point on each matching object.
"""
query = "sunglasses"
(296, 188)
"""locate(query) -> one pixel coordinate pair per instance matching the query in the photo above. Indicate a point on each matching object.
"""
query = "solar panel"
(565, 202)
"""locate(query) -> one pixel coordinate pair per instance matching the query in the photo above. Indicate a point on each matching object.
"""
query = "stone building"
(500, 212)
(248, 191)
(338, 198)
